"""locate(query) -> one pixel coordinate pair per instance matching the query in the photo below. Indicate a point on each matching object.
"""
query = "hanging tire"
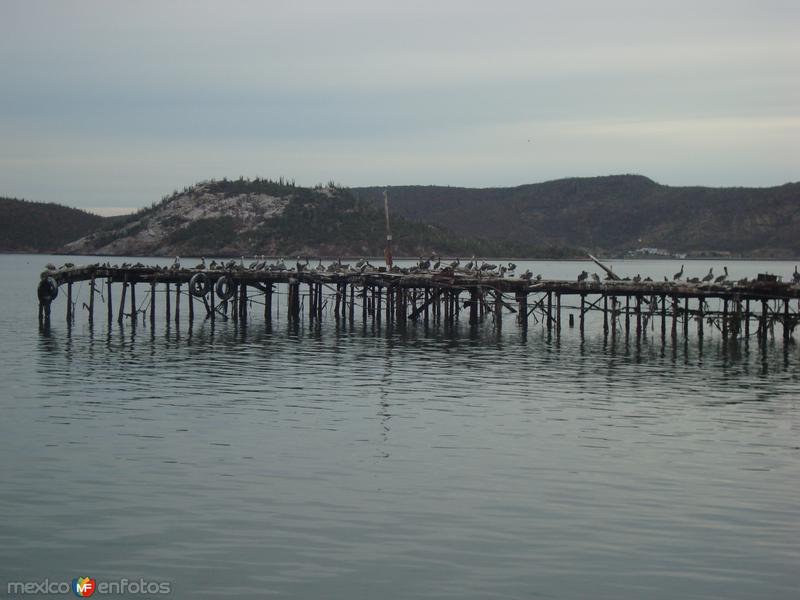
(199, 285)
(224, 287)
(47, 290)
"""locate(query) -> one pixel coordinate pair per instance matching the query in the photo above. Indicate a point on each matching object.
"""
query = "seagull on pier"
(678, 275)
(722, 278)
(710, 275)
(582, 276)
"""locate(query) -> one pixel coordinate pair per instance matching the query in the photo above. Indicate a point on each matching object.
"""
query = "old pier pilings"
(433, 297)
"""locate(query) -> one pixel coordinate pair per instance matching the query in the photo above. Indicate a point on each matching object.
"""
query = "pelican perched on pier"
(722, 278)
(301, 266)
(512, 267)
(796, 275)
(437, 264)
(176, 264)
(52, 267)
(470, 265)
(320, 267)
(595, 278)
(583, 275)
(230, 264)
(678, 275)
(527, 275)
(454, 264)
(202, 265)
(710, 275)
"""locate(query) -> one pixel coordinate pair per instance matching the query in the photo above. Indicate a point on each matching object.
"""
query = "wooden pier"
(138, 293)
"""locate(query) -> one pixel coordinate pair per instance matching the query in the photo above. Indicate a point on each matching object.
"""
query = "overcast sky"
(114, 104)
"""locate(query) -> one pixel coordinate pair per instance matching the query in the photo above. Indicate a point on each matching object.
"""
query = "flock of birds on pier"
(431, 265)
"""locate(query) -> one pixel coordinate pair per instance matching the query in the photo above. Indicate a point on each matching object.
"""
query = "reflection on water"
(344, 460)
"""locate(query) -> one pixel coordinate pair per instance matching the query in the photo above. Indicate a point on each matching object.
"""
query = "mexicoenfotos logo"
(84, 586)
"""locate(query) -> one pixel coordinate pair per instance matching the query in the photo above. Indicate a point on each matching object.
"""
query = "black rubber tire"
(199, 285)
(47, 290)
(224, 287)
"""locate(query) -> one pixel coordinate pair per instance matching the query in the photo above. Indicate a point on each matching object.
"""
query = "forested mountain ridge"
(613, 214)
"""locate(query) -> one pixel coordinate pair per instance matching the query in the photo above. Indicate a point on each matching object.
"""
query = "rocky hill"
(613, 215)
(246, 217)
(40, 227)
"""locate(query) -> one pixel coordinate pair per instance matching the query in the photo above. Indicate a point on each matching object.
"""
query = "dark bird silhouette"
(678, 275)
(796, 275)
(583, 275)
(595, 278)
(710, 275)
(722, 278)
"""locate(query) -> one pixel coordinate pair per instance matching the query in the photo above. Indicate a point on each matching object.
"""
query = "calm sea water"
(356, 462)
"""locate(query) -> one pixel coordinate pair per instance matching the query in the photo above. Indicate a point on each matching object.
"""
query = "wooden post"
(177, 302)
(191, 305)
(725, 318)
(498, 308)
(167, 309)
(605, 314)
(747, 318)
(121, 314)
(700, 317)
(583, 311)
(268, 303)
(674, 316)
(109, 305)
(352, 302)
(558, 313)
(522, 303)
(786, 324)
(152, 303)
(663, 316)
(638, 316)
(133, 302)
(686, 316)
(243, 301)
(549, 311)
(91, 301)
(69, 302)
(764, 312)
(627, 315)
